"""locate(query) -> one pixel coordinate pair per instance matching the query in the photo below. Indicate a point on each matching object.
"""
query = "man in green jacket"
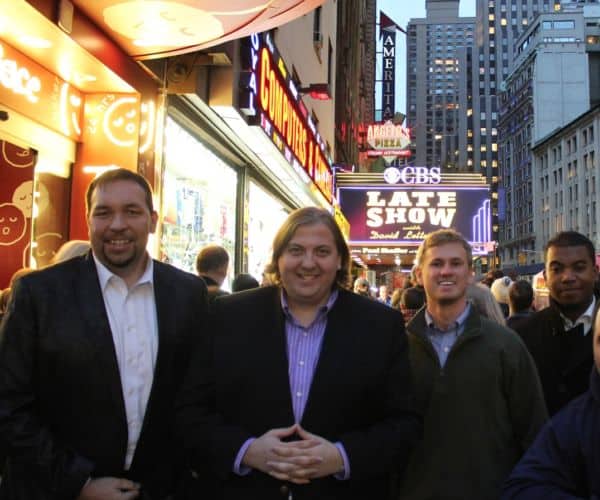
(474, 382)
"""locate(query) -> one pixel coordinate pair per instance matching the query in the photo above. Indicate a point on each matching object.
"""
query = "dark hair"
(114, 175)
(308, 216)
(570, 239)
(244, 282)
(520, 295)
(211, 258)
(412, 298)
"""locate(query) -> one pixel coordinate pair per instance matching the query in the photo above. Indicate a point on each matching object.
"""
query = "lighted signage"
(388, 93)
(271, 99)
(18, 79)
(342, 222)
(388, 139)
(39, 94)
(386, 215)
(412, 175)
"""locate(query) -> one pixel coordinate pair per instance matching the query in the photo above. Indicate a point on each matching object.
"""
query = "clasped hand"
(109, 488)
(299, 461)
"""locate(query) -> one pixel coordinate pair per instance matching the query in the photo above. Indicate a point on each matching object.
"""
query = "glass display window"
(198, 201)
(266, 214)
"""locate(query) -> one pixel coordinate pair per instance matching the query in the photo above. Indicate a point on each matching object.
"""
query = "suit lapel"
(165, 295)
(98, 333)
(276, 363)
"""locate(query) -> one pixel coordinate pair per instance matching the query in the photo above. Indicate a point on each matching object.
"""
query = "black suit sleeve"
(387, 443)
(202, 430)
(54, 467)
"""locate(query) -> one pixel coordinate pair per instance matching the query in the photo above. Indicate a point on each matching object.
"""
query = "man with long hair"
(304, 391)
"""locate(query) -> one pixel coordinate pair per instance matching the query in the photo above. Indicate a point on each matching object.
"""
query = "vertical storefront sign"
(270, 99)
(388, 92)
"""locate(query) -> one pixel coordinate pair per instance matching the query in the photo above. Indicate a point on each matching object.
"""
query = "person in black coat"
(564, 460)
(559, 337)
(87, 387)
(304, 389)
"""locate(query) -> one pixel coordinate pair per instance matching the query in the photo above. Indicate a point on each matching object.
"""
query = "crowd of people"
(122, 377)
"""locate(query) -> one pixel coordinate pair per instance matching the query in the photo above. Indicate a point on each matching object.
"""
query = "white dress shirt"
(134, 326)
(586, 319)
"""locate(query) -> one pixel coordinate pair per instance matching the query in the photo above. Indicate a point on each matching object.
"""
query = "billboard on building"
(405, 214)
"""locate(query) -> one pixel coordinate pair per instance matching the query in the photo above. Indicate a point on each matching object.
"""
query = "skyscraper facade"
(548, 86)
(439, 56)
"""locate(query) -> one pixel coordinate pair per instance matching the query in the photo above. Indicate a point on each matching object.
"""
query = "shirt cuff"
(344, 474)
(238, 467)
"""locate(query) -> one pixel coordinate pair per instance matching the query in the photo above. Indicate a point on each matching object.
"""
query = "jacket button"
(284, 490)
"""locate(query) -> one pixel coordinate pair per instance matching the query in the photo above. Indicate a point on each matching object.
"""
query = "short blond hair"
(443, 237)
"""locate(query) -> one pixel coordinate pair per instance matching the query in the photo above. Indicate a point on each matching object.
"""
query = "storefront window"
(266, 214)
(198, 200)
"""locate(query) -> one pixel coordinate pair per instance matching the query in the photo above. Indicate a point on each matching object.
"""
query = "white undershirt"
(586, 319)
(134, 326)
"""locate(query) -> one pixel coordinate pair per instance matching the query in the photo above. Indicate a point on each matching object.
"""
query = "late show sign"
(270, 99)
(405, 215)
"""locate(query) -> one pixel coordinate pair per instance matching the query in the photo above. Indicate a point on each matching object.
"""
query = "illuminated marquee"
(270, 96)
(39, 94)
(18, 78)
(385, 215)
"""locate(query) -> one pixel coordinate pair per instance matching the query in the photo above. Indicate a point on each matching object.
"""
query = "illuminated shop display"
(270, 99)
(198, 200)
(265, 216)
(401, 215)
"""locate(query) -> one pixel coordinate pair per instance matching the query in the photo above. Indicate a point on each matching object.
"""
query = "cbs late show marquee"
(269, 98)
(403, 214)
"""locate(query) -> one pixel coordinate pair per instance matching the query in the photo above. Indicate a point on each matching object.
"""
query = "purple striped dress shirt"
(303, 350)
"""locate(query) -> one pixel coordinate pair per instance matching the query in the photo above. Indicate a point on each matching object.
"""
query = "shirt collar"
(458, 323)
(585, 319)
(324, 309)
(105, 274)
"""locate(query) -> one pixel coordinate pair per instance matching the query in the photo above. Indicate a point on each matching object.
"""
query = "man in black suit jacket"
(559, 337)
(304, 390)
(92, 352)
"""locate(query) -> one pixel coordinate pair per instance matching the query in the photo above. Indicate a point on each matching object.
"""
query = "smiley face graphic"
(23, 198)
(12, 224)
(17, 157)
(121, 122)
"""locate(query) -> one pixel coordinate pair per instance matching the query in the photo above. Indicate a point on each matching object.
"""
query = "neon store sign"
(270, 96)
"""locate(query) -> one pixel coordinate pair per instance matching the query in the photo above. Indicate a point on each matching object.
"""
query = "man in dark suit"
(304, 391)
(559, 337)
(92, 352)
